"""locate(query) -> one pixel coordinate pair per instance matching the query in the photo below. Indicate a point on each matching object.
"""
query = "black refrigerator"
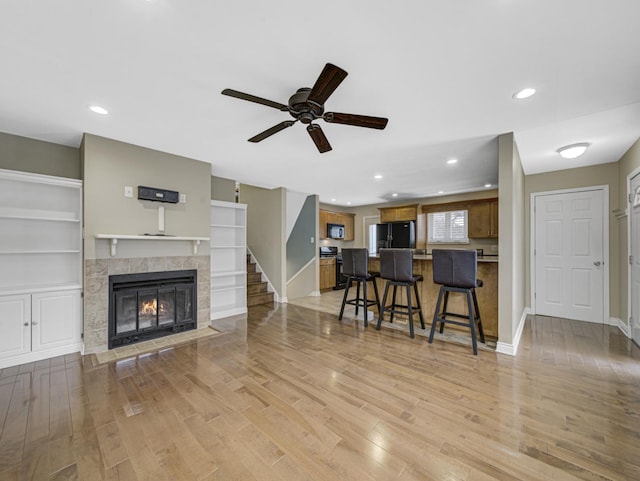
(396, 235)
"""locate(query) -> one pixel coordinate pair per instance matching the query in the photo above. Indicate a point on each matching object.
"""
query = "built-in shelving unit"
(40, 266)
(228, 244)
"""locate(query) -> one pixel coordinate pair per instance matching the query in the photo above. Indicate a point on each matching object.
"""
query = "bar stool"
(355, 265)
(396, 266)
(456, 271)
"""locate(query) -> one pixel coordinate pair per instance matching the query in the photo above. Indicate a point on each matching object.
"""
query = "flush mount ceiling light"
(98, 109)
(574, 150)
(377, 176)
(394, 195)
(524, 93)
(452, 161)
(487, 185)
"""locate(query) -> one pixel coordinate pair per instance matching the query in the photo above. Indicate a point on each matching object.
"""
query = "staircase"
(257, 292)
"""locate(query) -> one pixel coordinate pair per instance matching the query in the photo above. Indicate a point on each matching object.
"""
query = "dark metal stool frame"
(396, 266)
(355, 265)
(456, 270)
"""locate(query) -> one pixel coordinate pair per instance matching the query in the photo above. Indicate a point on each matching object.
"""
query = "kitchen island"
(487, 294)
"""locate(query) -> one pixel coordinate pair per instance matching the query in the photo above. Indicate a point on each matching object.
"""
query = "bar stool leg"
(344, 298)
(410, 309)
(383, 306)
(477, 314)
(357, 296)
(375, 290)
(444, 309)
(365, 311)
(472, 323)
(393, 302)
(436, 315)
(415, 289)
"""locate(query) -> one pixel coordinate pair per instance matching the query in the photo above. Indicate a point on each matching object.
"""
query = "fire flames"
(151, 308)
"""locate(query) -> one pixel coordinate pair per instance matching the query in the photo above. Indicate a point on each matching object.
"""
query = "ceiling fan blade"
(273, 130)
(253, 98)
(357, 120)
(319, 138)
(329, 79)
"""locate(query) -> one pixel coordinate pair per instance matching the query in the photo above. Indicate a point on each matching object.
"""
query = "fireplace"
(149, 305)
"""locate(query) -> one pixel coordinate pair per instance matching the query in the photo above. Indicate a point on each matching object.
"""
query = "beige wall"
(266, 236)
(512, 249)
(38, 157)
(603, 174)
(627, 165)
(110, 165)
(223, 189)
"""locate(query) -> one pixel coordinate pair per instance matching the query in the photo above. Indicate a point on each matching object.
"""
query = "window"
(448, 227)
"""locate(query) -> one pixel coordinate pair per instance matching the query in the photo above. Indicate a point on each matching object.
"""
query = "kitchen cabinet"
(41, 267)
(327, 273)
(483, 220)
(344, 218)
(398, 213)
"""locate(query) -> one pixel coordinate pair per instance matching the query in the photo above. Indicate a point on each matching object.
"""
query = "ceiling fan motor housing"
(302, 109)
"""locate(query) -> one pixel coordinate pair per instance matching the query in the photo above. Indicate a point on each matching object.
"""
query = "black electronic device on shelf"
(158, 195)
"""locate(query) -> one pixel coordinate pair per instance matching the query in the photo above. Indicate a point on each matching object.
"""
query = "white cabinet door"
(15, 325)
(56, 319)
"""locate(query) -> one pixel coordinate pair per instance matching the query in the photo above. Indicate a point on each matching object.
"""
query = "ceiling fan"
(307, 105)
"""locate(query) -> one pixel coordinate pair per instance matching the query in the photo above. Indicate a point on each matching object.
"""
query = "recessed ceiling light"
(333, 200)
(574, 150)
(524, 93)
(441, 192)
(394, 195)
(348, 203)
(452, 161)
(98, 110)
(377, 176)
(487, 185)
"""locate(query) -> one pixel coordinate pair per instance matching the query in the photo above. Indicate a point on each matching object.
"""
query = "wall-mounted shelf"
(114, 238)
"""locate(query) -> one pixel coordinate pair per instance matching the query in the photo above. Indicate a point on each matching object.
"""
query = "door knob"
(26, 324)
(596, 263)
(34, 323)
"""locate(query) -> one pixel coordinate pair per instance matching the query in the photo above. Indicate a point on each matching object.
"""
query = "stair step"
(257, 288)
(251, 267)
(253, 277)
(259, 299)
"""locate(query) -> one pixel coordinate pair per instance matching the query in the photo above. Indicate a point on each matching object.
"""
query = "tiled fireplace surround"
(96, 292)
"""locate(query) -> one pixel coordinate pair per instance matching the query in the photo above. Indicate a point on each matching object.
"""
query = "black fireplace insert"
(149, 305)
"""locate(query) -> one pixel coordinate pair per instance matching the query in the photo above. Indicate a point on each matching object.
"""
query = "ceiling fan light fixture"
(524, 93)
(573, 151)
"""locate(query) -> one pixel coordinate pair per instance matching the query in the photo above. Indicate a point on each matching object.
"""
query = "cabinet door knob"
(26, 324)
(34, 323)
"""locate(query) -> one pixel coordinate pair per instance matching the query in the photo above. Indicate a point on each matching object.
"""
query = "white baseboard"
(41, 355)
(512, 349)
(614, 321)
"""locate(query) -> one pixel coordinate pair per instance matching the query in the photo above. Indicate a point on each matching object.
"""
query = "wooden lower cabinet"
(487, 295)
(327, 273)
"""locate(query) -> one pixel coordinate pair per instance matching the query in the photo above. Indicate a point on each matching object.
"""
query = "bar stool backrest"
(396, 264)
(355, 262)
(455, 267)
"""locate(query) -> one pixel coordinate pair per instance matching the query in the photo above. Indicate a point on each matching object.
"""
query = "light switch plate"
(128, 191)
(183, 198)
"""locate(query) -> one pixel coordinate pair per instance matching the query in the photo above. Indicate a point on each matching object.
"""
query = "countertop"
(428, 257)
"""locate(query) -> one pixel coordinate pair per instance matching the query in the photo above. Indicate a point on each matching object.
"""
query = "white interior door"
(569, 260)
(634, 242)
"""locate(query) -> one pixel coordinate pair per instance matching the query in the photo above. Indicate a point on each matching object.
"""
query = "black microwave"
(335, 231)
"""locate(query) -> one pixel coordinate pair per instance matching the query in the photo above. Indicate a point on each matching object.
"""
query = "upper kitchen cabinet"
(398, 213)
(483, 220)
(342, 218)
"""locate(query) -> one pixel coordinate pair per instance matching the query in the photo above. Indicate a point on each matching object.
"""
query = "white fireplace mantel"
(114, 238)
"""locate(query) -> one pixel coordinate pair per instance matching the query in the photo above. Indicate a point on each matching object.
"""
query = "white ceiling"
(443, 72)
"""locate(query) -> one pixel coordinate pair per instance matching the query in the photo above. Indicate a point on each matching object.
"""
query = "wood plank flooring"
(299, 395)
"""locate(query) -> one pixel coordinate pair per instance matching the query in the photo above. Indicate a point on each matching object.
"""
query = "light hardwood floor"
(299, 395)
